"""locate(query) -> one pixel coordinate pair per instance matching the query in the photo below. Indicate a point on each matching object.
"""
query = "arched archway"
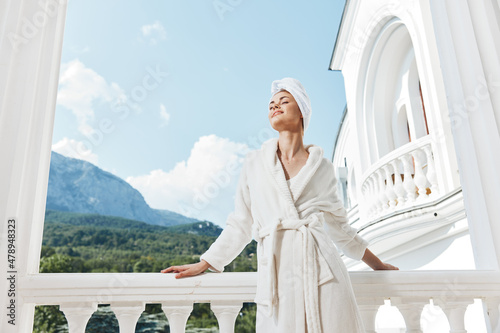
(391, 99)
(400, 127)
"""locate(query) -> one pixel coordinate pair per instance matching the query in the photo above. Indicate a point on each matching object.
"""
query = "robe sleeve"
(238, 231)
(337, 226)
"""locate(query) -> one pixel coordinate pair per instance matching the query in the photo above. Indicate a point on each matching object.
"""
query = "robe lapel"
(275, 169)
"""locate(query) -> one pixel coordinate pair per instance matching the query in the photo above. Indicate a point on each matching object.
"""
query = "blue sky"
(167, 94)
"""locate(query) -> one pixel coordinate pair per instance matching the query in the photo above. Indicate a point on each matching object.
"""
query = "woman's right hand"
(188, 270)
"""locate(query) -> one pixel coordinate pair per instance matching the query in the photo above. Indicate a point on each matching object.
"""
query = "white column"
(475, 131)
(226, 313)
(77, 315)
(177, 314)
(30, 53)
(486, 24)
(127, 314)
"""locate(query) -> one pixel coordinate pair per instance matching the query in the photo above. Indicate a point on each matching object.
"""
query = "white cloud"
(80, 49)
(164, 115)
(81, 88)
(75, 149)
(202, 187)
(154, 32)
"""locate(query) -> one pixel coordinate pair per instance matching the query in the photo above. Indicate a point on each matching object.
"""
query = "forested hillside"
(74, 242)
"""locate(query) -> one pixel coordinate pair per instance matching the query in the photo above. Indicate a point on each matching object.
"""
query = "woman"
(287, 200)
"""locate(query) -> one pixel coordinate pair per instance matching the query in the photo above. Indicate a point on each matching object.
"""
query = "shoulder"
(249, 159)
(326, 171)
(250, 156)
(327, 165)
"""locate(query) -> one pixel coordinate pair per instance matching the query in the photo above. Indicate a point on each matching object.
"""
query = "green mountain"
(79, 186)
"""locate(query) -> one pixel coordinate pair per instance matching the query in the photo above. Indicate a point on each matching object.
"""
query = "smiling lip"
(277, 112)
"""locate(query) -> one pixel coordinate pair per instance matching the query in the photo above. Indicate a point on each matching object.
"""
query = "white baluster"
(382, 199)
(389, 187)
(372, 202)
(381, 194)
(375, 197)
(368, 196)
(177, 314)
(455, 311)
(368, 309)
(493, 303)
(376, 202)
(408, 183)
(78, 314)
(226, 312)
(420, 179)
(398, 184)
(127, 314)
(368, 202)
(431, 171)
(411, 309)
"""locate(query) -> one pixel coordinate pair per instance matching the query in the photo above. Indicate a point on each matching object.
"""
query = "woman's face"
(284, 112)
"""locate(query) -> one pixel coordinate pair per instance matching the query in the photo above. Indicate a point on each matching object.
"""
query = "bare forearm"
(372, 260)
(375, 263)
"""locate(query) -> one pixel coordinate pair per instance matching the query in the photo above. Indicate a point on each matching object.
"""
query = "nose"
(274, 107)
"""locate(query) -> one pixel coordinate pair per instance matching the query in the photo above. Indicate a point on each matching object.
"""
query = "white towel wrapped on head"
(294, 87)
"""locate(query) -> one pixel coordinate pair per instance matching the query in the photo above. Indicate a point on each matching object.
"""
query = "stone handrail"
(78, 295)
(400, 179)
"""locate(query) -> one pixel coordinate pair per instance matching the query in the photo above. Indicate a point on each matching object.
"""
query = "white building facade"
(422, 104)
(418, 146)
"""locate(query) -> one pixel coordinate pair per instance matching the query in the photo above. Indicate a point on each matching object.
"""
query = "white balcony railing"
(402, 178)
(79, 294)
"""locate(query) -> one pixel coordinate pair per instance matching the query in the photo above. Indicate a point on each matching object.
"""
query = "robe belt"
(309, 267)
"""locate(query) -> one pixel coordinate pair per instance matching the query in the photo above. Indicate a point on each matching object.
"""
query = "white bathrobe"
(303, 284)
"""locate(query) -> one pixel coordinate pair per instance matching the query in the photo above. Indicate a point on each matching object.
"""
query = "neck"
(291, 146)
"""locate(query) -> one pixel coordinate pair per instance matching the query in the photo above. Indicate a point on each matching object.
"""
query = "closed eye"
(284, 102)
